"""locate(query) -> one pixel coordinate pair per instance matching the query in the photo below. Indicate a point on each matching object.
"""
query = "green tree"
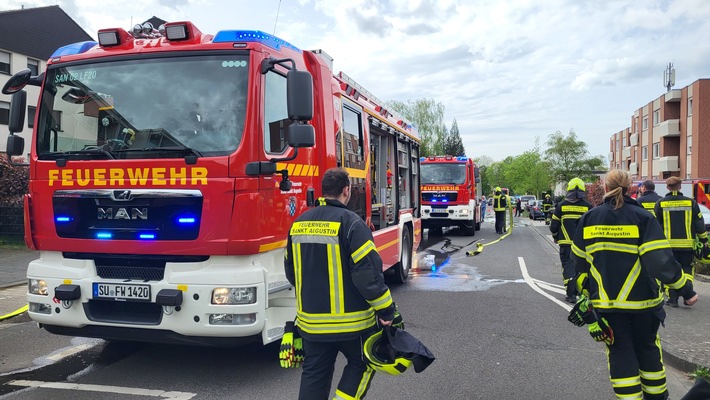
(428, 117)
(569, 158)
(452, 143)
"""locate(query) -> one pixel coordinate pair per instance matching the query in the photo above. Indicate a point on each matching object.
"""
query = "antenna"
(669, 77)
(277, 18)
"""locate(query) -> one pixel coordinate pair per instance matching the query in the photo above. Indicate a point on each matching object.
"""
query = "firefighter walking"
(621, 254)
(547, 207)
(564, 222)
(500, 205)
(332, 262)
(648, 197)
(682, 221)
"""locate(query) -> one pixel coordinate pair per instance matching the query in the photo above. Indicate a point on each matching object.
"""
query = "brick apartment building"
(669, 136)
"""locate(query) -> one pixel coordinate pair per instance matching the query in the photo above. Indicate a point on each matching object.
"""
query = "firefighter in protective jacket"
(332, 262)
(564, 222)
(682, 221)
(622, 251)
(648, 197)
(500, 205)
(547, 207)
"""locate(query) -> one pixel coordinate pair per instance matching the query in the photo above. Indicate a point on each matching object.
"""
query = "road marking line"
(70, 351)
(105, 389)
(531, 282)
(551, 288)
(548, 283)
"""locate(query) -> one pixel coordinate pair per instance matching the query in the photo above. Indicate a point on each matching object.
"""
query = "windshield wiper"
(85, 152)
(183, 149)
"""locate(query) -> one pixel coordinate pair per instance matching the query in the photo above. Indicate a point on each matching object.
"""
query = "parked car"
(525, 200)
(535, 210)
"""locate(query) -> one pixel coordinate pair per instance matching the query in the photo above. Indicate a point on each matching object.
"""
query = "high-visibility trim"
(357, 173)
(666, 223)
(570, 208)
(632, 396)
(630, 281)
(580, 253)
(612, 246)
(554, 218)
(381, 302)
(341, 285)
(628, 304)
(336, 290)
(679, 283)
(611, 231)
(597, 277)
(296, 253)
(353, 316)
(364, 250)
(654, 245)
(653, 375)
(343, 396)
(335, 328)
(648, 205)
(688, 218)
(272, 246)
(364, 382)
(626, 382)
(388, 245)
(702, 235)
(315, 228)
(660, 389)
(298, 169)
(676, 204)
(681, 243)
(314, 239)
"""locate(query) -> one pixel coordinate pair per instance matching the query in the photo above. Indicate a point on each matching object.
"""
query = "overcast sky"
(506, 70)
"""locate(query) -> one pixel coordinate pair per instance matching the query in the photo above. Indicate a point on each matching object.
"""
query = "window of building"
(33, 65)
(4, 113)
(4, 62)
(644, 153)
(645, 123)
(618, 144)
(690, 106)
(656, 117)
(656, 150)
(31, 111)
(690, 144)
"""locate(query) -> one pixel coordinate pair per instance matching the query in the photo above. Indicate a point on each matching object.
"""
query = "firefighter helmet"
(575, 183)
(382, 356)
(497, 189)
(547, 196)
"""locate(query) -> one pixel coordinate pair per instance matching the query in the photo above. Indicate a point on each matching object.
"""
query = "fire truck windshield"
(443, 173)
(144, 108)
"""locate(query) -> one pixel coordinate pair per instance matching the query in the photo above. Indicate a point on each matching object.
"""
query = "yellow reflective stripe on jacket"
(353, 316)
(381, 302)
(581, 254)
(335, 279)
(679, 283)
(364, 250)
(315, 228)
(653, 245)
(611, 231)
(612, 246)
(628, 304)
(594, 272)
(337, 327)
(570, 208)
(629, 282)
(681, 243)
(676, 204)
(297, 271)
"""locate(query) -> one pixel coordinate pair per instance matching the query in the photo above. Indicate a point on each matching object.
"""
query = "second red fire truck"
(167, 166)
(449, 193)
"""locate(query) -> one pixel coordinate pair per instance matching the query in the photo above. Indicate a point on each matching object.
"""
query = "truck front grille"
(123, 312)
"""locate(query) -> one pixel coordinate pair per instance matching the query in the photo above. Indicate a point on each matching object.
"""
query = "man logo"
(122, 213)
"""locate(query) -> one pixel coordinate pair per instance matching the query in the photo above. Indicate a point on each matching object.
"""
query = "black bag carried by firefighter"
(392, 351)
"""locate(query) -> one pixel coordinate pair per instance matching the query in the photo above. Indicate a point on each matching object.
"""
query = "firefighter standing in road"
(648, 197)
(547, 208)
(332, 262)
(564, 222)
(500, 205)
(682, 221)
(622, 252)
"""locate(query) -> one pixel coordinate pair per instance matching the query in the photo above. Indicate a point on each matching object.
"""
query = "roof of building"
(38, 32)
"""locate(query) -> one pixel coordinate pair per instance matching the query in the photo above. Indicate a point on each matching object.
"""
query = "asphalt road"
(496, 323)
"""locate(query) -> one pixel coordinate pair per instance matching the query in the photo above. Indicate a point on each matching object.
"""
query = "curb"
(12, 284)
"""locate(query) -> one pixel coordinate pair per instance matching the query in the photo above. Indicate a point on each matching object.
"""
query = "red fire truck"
(167, 166)
(449, 193)
(699, 189)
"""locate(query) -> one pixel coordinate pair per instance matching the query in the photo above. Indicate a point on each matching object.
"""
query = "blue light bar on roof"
(462, 158)
(253, 36)
(74, 48)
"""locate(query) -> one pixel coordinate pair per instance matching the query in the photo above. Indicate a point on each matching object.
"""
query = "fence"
(12, 224)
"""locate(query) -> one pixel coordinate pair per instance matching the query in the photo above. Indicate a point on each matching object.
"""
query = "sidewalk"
(684, 339)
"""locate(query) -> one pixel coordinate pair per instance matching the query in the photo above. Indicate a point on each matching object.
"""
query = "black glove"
(582, 313)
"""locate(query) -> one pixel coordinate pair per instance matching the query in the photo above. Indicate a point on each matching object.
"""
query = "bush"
(595, 193)
(14, 182)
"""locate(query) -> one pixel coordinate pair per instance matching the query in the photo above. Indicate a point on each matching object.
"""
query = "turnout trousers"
(635, 361)
(685, 259)
(319, 365)
(568, 269)
(500, 221)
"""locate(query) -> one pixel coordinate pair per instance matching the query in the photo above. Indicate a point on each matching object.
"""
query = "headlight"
(463, 211)
(245, 295)
(37, 286)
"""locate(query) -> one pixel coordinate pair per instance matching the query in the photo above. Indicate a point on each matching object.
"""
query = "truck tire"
(401, 269)
(469, 228)
(478, 223)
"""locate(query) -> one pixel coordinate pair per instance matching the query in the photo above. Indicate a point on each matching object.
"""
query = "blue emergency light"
(253, 36)
(104, 235)
(147, 236)
(74, 48)
(63, 219)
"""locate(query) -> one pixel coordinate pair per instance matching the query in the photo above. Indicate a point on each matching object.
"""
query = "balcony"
(634, 139)
(634, 168)
(668, 128)
(668, 164)
(611, 156)
(673, 96)
(626, 153)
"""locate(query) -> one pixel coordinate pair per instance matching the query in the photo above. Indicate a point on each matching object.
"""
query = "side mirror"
(17, 82)
(18, 107)
(15, 145)
(299, 95)
(300, 135)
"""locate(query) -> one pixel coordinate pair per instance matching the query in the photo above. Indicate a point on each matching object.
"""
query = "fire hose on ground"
(14, 313)
(480, 246)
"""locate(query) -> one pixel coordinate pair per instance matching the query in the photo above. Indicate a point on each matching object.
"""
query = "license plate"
(120, 291)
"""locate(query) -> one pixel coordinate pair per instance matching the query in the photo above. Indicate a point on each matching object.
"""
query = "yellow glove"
(286, 351)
